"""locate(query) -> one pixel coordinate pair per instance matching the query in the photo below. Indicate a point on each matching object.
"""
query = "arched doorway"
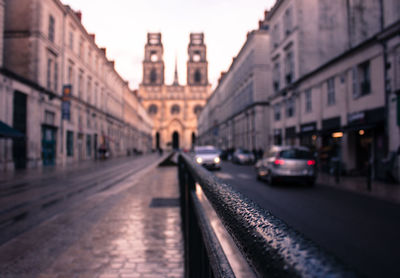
(193, 139)
(175, 140)
(157, 140)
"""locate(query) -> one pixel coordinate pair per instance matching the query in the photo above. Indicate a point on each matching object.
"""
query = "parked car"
(287, 163)
(241, 156)
(208, 157)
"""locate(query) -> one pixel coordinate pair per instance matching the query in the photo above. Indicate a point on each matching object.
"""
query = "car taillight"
(311, 162)
(279, 162)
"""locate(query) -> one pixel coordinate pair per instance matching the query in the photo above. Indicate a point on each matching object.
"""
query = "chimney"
(79, 15)
(92, 36)
(104, 50)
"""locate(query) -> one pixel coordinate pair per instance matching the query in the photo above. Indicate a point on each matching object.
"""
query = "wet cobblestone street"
(113, 234)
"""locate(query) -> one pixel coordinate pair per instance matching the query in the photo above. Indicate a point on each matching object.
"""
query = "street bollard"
(369, 178)
(337, 172)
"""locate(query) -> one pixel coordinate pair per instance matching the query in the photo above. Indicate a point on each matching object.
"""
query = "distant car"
(208, 157)
(241, 156)
(287, 163)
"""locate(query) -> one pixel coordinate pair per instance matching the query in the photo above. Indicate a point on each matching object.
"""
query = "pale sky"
(121, 26)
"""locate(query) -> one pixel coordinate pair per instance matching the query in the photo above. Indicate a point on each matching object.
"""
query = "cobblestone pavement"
(131, 230)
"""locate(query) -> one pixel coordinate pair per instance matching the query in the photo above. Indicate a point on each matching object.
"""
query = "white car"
(241, 156)
(207, 156)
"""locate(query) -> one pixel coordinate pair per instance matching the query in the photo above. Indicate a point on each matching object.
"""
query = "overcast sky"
(122, 26)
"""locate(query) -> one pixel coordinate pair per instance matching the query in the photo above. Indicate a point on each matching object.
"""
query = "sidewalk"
(381, 190)
(131, 230)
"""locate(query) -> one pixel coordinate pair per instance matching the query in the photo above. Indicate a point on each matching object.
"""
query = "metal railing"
(271, 247)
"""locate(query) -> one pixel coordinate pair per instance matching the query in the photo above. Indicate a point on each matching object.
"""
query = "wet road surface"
(362, 231)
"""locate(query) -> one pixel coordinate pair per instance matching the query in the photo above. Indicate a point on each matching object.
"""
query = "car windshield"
(206, 151)
(244, 152)
(296, 154)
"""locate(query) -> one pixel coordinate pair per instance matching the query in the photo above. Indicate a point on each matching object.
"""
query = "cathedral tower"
(197, 73)
(153, 64)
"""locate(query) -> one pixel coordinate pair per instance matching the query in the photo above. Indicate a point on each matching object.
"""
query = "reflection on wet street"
(115, 234)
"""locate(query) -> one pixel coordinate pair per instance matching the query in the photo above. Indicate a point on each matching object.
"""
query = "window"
(70, 76)
(81, 48)
(153, 109)
(277, 75)
(365, 79)
(288, 21)
(89, 61)
(80, 84)
(49, 65)
(308, 101)
(96, 88)
(290, 107)
(361, 80)
(153, 56)
(51, 28)
(196, 56)
(88, 145)
(277, 112)
(70, 143)
(153, 76)
(175, 109)
(275, 36)
(197, 110)
(331, 91)
(71, 40)
(55, 77)
(89, 90)
(49, 117)
(289, 67)
(197, 76)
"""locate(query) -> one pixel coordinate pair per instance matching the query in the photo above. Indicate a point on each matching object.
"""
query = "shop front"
(366, 135)
(331, 140)
(308, 135)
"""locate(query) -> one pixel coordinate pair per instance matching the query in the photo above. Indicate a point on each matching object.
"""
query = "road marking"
(224, 176)
(244, 176)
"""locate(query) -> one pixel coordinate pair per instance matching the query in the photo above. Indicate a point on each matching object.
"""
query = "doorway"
(157, 141)
(175, 140)
(193, 139)
(19, 123)
(48, 145)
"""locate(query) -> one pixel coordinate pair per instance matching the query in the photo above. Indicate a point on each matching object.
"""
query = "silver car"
(287, 163)
(241, 156)
(207, 156)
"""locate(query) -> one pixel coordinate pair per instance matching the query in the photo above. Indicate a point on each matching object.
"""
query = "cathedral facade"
(174, 108)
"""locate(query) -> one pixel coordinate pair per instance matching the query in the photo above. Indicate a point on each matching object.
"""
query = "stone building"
(174, 108)
(333, 85)
(237, 113)
(61, 92)
(339, 102)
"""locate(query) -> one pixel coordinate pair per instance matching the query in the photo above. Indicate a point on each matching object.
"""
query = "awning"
(7, 131)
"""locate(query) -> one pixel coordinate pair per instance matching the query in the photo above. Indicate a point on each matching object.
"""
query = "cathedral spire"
(176, 79)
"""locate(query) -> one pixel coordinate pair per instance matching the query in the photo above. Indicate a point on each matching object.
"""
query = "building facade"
(236, 114)
(341, 103)
(60, 90)
(174, 108)
(333, 85)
